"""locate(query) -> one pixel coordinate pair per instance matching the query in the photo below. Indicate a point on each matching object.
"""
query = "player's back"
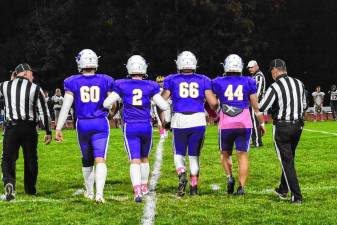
(89, 93)
(136, 96)
(234, 90)
(187, 91)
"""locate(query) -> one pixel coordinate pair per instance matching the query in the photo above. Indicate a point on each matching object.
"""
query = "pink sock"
(194, 181)
(161, 131)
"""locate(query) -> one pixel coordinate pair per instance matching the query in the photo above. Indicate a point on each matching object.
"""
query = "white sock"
(179, 162)
(194, 165)
(89, 179)
(101, 172)
(135, 174)
(145, 172)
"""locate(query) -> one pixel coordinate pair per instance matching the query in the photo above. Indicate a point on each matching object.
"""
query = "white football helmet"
(233, 63)
(186, 60)
(87, 58)
(136, 65)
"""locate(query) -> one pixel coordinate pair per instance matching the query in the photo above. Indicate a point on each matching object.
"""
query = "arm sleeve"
(43, 111)
(160, 102)
(304, 99)
(67, 102)
(268, 100)
(110, 100)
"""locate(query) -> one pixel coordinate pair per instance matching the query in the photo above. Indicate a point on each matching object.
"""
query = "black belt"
(286, 121)
(19, 123)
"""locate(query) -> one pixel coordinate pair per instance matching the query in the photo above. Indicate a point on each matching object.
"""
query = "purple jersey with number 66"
(136, 96)
(89, 93)
(187, 91)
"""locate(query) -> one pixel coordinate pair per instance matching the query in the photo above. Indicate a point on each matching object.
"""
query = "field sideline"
(60, 180)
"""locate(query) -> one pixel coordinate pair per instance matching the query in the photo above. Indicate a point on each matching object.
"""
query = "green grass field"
(60, 177)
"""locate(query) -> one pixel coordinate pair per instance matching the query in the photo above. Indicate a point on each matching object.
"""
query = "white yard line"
(319, 131)
(150, 204)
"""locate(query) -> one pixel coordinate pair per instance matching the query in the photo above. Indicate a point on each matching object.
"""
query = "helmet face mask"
(186, 61)
(87, 59)
(136, 65)
(233, 63)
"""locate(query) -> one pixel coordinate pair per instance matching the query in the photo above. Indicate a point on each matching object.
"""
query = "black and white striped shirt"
(286, 98)
(260, 84)
(25, 101)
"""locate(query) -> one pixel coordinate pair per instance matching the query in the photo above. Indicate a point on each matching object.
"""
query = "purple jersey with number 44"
(234, 90)
(89, 93)
(187, 91)
(136, 96)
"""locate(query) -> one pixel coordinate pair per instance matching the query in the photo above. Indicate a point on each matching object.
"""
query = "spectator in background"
(318, 97)
(333, 100)
(57, 101)
(50, 104)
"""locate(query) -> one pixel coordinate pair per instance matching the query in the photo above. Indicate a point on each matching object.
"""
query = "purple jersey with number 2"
(89, 93)
(187, 91)
(136, 96)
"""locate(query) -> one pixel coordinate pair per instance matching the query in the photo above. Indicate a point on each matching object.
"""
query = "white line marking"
(318, 188)
(319, 131)
(150, 204)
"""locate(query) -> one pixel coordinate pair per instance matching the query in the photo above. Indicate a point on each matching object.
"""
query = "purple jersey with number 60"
(187, 91)
(234, 90)
(136, 96)
(89, 93)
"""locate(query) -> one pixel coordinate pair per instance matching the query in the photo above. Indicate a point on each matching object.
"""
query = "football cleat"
(9, 192)
(99, 199)
(138, 199)
(182, 184)
(88, 196)
(193, 190)
(230, 185)
(240, 191)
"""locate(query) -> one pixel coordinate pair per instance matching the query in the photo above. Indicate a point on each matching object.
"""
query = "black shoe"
(230, 185)
(282, 195)
(9, 192)
(194, 190)
(182, 184)
(240, 191)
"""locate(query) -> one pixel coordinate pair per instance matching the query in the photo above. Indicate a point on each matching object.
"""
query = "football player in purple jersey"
(236, 93)
(136, 95)
(88, 90)
(188, 91)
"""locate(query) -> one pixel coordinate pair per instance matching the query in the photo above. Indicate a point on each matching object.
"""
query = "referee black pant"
(256, 132)
(23, 135)
(286, 137)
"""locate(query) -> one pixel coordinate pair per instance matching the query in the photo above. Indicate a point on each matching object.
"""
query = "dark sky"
(48, 35)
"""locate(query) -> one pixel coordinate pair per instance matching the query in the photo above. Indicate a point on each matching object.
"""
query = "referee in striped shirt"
(24, 105)
(287, 100)
(258, 76)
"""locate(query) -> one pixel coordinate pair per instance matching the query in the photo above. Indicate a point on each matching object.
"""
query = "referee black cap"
(23, 67)
(278, 63)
